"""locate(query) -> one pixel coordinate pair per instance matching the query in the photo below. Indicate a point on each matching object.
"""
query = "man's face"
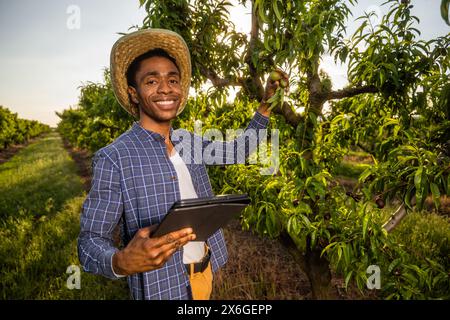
(158, 89)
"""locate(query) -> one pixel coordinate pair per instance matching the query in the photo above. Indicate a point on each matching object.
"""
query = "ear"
(133, 94)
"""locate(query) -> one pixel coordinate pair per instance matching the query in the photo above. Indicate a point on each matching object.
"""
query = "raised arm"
(238, 150)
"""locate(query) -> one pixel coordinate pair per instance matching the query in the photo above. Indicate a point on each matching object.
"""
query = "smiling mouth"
(166, 104)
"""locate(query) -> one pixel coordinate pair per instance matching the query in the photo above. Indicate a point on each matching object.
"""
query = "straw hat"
(132, 45)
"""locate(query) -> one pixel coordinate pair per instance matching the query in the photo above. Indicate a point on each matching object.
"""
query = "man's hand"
(276, 79)
(145, 254)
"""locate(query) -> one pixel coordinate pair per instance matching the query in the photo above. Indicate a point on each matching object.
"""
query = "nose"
(164, 87)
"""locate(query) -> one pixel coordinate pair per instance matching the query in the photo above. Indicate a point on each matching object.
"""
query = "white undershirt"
(193, 251)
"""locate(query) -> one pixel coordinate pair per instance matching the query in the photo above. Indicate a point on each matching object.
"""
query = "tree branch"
(350, 92)
(317, 98)
(291, 117)
(218, 81)
(256, 88)
(397, 216)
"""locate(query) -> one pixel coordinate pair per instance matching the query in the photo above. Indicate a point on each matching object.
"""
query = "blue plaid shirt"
(134, 185)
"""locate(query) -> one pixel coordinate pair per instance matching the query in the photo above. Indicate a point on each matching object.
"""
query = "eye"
(173, 81)
(150, 81)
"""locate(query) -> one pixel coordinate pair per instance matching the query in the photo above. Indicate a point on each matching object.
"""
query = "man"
(139, 176)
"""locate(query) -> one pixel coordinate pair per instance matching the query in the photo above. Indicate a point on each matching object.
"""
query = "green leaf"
(328, 247)
(339, 253)
(444, 11)
(292, 226)
(365, 222)
(267, 44)
(306, 221)
(272, 184)
(366, 173)
(313, 118)
(270, 222)
(303, 164)
(436, 194)
(262, 14)
(403, 159)
(408, 196)
(311, 192)
(410, 278)
(418, 178)
(382, 76)
(348, 277)
(308, 181)
(394, 264)
(303, 207)
(391, 121)
(347, 254)
(313, 239)
(261, 208)
(277, 12)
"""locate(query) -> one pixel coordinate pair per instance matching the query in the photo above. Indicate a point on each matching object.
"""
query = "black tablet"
(204, 215)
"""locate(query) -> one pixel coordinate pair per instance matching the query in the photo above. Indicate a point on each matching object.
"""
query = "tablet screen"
(205, 215)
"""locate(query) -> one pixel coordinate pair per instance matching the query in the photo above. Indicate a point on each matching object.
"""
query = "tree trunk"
(315, 267)
(319, 275)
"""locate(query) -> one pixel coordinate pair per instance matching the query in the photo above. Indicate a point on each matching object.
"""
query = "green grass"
(38, 180)
(421, 243)
(425, 235)
(359, 154)
(350, 169)
(353, 164)
(40, 205)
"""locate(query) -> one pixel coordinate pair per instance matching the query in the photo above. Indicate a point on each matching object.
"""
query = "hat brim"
(131, 46)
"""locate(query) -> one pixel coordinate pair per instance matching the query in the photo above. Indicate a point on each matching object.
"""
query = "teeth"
(165, 103)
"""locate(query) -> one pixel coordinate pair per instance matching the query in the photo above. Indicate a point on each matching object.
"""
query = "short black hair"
(136, 64)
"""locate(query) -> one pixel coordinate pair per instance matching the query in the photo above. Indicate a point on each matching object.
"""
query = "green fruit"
(283, 83)
(275, 76)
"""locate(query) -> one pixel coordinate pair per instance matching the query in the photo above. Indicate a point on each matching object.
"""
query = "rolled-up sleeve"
(101, 212)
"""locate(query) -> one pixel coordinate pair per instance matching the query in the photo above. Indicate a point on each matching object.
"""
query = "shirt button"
(174, 177)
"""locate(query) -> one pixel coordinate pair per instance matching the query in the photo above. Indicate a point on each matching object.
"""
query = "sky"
(49, 48)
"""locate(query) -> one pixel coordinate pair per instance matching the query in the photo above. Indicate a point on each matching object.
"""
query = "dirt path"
(258, 268)
(83, 160)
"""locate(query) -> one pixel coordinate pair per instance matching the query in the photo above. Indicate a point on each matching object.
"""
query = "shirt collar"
(145, 134)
